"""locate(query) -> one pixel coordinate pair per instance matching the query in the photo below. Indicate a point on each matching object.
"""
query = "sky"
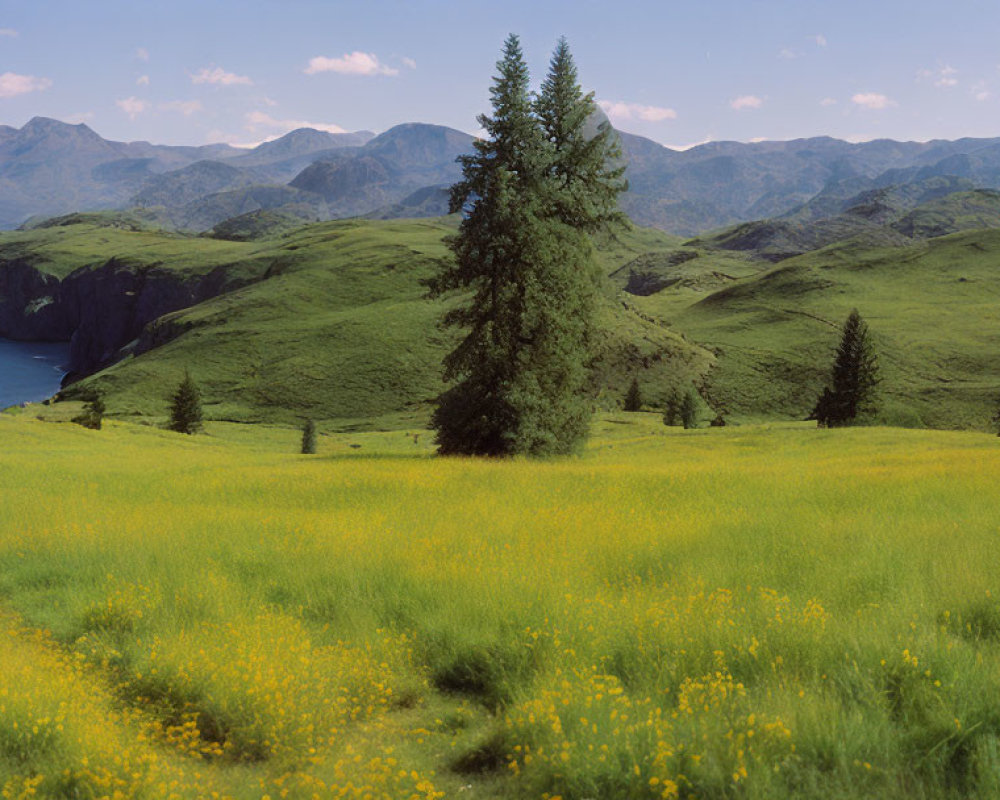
(678, 72)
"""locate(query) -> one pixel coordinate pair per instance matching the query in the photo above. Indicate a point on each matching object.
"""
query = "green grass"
(339, 327)
(931, 308)
(757, 612)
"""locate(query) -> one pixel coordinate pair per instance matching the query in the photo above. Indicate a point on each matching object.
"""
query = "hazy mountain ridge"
(50, 168)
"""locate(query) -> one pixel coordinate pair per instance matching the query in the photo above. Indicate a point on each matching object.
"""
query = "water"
(30, 371)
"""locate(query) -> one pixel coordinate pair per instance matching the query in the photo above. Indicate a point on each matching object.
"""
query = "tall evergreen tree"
(853, 379)
(309, 438)
(586, 156)
(633, 397)
(689, 410)
(521, 369)
(185, 407)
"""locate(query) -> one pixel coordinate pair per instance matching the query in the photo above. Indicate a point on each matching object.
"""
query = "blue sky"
(184, 72)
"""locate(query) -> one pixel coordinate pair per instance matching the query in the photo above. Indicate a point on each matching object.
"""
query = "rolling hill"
(328, 320)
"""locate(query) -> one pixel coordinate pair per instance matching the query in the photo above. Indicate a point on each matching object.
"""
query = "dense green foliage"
(689, 410)
(533, 189)
(308, 447)
(633, 397)
(185, 408)
(853, 380)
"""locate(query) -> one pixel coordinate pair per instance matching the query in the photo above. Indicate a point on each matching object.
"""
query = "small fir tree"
(672, 409)
(689, 410)
(309, 438)
(633, 397)
(185, 408)
(853, 380)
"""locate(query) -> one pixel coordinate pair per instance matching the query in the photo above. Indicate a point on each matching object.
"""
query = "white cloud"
(142, 80)
(872, 100)
(8, 32)
(142, 54)
(827, 101)
(758, 139)
(220, 77)
(132, 106)
(626, 111)
(746, 101)
(12, 84)
(943, 76)
(76, 119)
(356, 63)
(981, 91)
(259, 119)
(409, 63)
(185, 107)
(982, 95)
(820, 40)
(788, 54)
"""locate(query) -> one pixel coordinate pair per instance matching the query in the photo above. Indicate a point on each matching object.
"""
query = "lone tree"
(633, 397)
(309, 438)
(672, 408)
(185, 408)
(689, 410)
(530, 192)
(853, 380)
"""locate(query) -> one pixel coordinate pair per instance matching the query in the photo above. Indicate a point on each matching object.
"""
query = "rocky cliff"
(102, 310)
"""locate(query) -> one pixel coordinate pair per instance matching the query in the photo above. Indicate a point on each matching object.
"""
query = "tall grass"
(749, 612)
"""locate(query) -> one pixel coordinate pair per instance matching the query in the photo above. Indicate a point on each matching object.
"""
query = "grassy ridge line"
(932, 311)
(757, 612)
(341, 330)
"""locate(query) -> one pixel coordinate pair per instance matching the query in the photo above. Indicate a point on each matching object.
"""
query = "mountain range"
(49, 168)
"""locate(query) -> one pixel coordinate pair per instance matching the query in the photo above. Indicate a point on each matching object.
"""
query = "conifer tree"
(309, 438)
(185, 408)
(689, 410)
(633, 397)
(672, 408)
(853, 379)
(586, 155)
(521, 369)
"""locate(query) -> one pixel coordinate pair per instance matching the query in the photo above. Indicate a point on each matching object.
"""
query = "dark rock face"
(102, 311)
(29, 305)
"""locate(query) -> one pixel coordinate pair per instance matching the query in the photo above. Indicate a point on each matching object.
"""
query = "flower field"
(757, 612)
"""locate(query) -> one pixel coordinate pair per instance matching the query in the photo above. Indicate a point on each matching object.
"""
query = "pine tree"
(672, 408)
(185, 408)
(309, 438)
(633, 397)
(689, 410)
(586, 155)
(853, 379)
(521, 369)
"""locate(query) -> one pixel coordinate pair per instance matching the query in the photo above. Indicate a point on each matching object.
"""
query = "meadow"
(756, 612)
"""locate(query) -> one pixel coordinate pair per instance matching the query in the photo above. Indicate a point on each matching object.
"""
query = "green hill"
(931, 307)
(329, 320)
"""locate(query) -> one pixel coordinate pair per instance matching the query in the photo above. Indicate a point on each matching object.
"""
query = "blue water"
(30, 371)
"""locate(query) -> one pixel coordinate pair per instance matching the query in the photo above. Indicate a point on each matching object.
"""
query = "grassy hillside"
(741, 613)
(338, 326)
(58, 247)
(931, 307)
